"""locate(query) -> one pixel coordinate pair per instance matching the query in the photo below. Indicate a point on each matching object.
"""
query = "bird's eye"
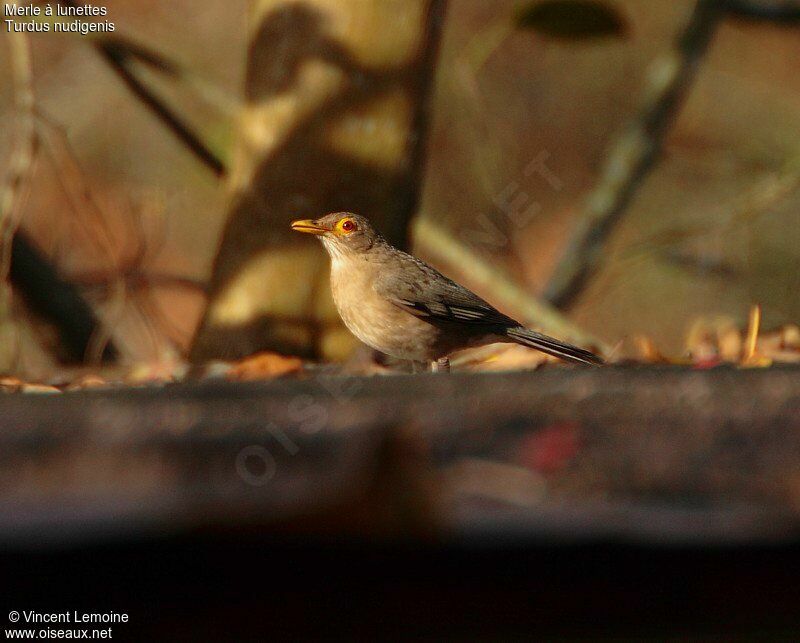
(348, 225)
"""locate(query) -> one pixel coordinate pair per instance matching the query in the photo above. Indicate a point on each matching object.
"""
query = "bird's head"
(342, 233)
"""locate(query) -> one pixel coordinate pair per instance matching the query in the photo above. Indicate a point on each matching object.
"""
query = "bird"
(402, 307)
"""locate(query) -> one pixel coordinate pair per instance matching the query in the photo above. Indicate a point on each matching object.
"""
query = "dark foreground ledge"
(653, 452)
(651, 502)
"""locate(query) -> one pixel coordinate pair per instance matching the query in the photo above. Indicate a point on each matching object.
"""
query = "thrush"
(402, 307)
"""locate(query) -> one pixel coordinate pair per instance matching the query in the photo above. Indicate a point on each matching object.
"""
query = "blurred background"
(621, 174)
(487, 136)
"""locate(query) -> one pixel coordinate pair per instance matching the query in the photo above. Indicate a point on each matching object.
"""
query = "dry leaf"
(647, 350)
(11, 384)
(87, 381)
(39, 389)
(157, 372)
(751, 339)
(263, 366)
(498, 357)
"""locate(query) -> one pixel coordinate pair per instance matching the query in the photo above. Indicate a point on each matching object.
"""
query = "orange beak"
(308, 226)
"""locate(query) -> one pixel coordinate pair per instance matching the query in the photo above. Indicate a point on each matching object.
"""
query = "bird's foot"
(441, 365)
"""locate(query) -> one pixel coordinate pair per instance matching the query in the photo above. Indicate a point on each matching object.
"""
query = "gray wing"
(423, 291)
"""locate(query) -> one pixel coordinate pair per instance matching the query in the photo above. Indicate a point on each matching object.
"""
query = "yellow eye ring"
(346, 226)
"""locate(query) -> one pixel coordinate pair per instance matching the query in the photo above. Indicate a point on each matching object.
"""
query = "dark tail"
(553, 347)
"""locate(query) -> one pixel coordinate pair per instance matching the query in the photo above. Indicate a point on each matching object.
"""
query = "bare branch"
(119, 62)
(118, 54)
(633, 155)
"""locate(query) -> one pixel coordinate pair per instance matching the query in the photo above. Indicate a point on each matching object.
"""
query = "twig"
(101, 338)
(118, 60)
(506, 293)
(118, 53)
(633, 155)
(126, 48)
(751, 339)
(203, 89)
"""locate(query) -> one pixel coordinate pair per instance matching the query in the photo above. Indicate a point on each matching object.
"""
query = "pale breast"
(375, 321)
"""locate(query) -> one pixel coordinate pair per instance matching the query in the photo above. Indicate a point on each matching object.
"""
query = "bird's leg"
(441, 365)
